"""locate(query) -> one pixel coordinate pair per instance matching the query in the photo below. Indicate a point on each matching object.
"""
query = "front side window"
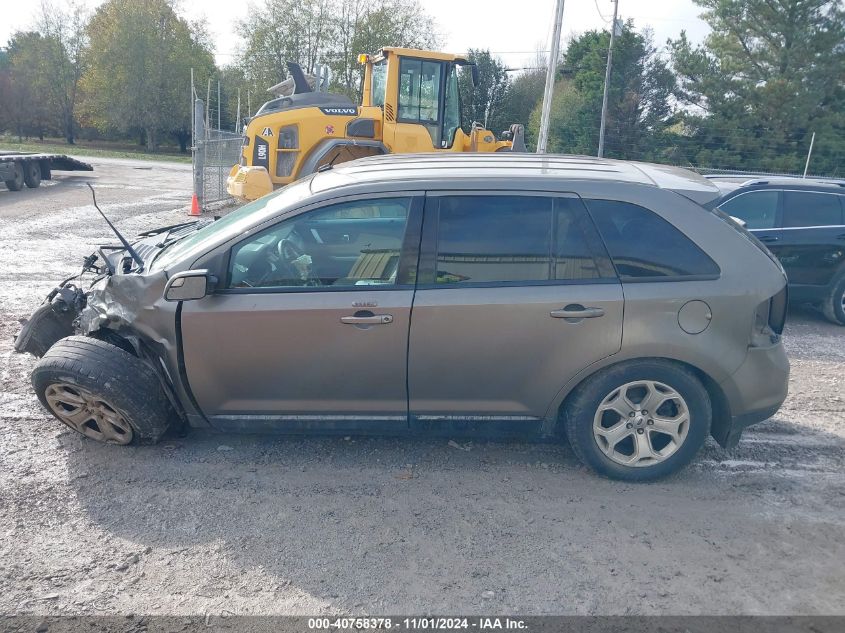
(758, 209)
(419, 90)
(805, 208)
(349, 244)
(642, 244)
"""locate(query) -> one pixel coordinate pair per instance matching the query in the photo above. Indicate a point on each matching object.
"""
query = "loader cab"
(417, 92)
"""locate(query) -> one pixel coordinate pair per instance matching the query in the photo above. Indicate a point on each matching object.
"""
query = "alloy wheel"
(88, 414)
(641, 423)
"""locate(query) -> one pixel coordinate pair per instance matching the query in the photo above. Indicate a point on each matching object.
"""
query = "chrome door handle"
(577, 312)
(769, 238)
(375, 319)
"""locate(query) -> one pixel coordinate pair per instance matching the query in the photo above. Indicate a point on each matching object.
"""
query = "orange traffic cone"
(195, 205)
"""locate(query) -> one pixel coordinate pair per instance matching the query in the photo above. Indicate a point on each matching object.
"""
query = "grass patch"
(106, 149)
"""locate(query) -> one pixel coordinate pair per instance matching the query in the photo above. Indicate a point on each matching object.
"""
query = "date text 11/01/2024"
(418, 624)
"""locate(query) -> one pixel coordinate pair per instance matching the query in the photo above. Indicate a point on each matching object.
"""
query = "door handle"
(374, 319)
(576, 311)
(769, 238)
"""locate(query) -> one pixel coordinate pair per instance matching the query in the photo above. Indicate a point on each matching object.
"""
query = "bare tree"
(63, 29)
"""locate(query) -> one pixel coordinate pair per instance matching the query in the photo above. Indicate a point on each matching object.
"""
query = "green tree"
(278, 31)
(768, 75)
(25, 98)
(639, 97)
(523, 94)
(138, 69)
(328, 32)
(483, 101)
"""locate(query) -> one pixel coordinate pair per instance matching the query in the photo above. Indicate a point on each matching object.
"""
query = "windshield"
(231, 225)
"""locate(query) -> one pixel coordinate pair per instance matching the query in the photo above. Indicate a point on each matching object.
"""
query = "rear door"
(513, 299)
(812, 236)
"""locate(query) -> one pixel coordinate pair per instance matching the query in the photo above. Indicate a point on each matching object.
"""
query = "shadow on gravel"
(384, 523)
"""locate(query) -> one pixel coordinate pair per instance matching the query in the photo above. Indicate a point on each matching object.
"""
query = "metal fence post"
(198, 151)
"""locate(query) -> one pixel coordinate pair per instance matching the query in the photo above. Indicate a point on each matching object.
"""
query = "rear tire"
(611, 430)
(102, 391)
(833, 307)
(32, 174)
(16, 183)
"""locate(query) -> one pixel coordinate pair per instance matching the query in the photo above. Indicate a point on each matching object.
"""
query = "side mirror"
(188, 285)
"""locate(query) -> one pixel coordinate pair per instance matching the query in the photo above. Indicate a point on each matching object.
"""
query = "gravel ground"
(214, 524)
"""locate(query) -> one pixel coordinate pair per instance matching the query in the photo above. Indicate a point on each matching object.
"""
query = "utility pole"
(810, 153)
(607, 79)
(543, 137)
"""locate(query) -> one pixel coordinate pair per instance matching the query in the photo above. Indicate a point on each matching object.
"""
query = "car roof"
(444, 168)
(731, 183)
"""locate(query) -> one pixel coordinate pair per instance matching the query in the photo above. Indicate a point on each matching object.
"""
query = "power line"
(604, 19)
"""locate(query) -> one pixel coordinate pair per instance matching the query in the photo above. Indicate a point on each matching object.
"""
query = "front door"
(420, 86)
(511, 303)
(311, 326)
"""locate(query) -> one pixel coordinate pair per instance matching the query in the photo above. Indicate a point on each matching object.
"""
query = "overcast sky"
(514, 30)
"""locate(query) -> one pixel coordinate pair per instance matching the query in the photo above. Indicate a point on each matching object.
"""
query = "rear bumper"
(741, 422)
(755, 391)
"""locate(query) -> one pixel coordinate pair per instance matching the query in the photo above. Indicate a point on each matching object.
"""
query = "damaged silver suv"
(486, 295)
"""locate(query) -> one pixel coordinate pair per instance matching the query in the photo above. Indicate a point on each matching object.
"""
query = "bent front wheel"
(102, 391)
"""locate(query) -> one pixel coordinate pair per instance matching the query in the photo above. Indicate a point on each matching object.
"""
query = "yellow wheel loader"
(410, 103)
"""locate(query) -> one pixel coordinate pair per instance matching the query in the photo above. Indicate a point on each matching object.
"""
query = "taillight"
(770, 319)
(777, 310)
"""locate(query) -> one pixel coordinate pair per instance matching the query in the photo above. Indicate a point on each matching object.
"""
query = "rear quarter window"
(643, 245)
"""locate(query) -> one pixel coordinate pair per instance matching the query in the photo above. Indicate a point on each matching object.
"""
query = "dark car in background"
(802, 221)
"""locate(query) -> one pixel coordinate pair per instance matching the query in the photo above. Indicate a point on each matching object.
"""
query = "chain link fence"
(214, 154)
(708, 171)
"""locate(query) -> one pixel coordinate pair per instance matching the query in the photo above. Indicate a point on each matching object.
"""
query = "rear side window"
(490, 239)
(644, 245)
(758, 209)
(805, 208)
(575, 243)
(493, 239)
